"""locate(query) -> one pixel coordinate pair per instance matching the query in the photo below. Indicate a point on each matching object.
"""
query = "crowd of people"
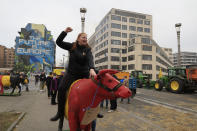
(20, 80)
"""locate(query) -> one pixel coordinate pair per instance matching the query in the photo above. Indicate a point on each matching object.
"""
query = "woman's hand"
(92, 73)
(68, 29)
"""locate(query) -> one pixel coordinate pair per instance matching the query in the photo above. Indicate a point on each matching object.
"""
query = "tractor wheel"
(176, 85)
(158, 85)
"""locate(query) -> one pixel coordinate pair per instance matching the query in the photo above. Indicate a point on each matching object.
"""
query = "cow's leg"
(73, 122)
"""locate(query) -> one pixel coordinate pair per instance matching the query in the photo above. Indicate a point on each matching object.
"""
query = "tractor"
(141, 79)
(179, 79)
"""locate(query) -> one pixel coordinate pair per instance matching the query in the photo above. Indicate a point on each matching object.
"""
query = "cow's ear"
(110, 71)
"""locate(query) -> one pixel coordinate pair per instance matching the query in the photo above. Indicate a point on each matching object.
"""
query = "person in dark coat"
(53, 88)
(80, 66)
(15, 80)
(36, 79)
(48, 83)
(42, 81)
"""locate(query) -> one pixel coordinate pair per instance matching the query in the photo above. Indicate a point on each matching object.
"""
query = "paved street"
(140, 115)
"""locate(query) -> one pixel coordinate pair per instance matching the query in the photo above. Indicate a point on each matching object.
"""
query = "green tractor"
(179, 79)
(140, 78)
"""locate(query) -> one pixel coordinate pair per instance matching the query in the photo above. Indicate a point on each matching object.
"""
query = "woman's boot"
(60, 126)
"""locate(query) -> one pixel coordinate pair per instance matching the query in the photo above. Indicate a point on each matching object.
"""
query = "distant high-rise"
(123, 41)
(35, 46)
(187, 58)
(6, 57)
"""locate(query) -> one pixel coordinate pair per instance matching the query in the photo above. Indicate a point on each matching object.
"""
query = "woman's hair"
(75, 43)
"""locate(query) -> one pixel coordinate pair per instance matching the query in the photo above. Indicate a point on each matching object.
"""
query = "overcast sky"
(56, 15)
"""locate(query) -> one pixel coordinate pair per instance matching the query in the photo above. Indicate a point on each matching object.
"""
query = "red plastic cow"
(85, 96)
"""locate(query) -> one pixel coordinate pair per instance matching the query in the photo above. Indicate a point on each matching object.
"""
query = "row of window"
(162, 69)
(103, 52)
(102, 67)
(101, 31)
(161, 53)
(124, 35)
(162, 62)
(131, 28)
(130, 57)
(101, 60)
(102, 38)
(105, 43)
(130, 14)
(104, 21)
(131, 20)
(146, 48)
(132, 67)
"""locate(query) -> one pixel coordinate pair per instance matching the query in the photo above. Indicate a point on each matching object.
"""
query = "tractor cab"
(176, 71)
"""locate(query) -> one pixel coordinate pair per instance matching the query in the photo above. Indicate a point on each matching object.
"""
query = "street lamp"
(178, 27)
(82, 12)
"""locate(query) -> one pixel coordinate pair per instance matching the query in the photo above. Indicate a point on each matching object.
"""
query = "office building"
(6, 57)
(187, 58)
(123, 41)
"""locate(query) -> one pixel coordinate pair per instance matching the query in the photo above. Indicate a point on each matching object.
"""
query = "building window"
(117, 34)
(115, 50)
(147, 22)
(115, 17)
(124, 59)
(149, 76)
(131, 66)
(124, 35)
(124, 51)
(146, 66)
(132, 20)
(115, 42)
(124, 27)
(101, 60)
(140, 21)
(131, 57)
(124, 43)
(146, 48)
(145, 40)
(116, 67)
(132, 35)
(116, 26)
(131, 48)
(139, 29)
(115, 58)
(124, 67)
(132, 28)
(124, 19)
(147, 57)
(162, 62)
(147, 30)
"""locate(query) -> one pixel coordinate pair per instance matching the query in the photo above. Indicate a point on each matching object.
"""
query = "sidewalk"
(38, 115)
